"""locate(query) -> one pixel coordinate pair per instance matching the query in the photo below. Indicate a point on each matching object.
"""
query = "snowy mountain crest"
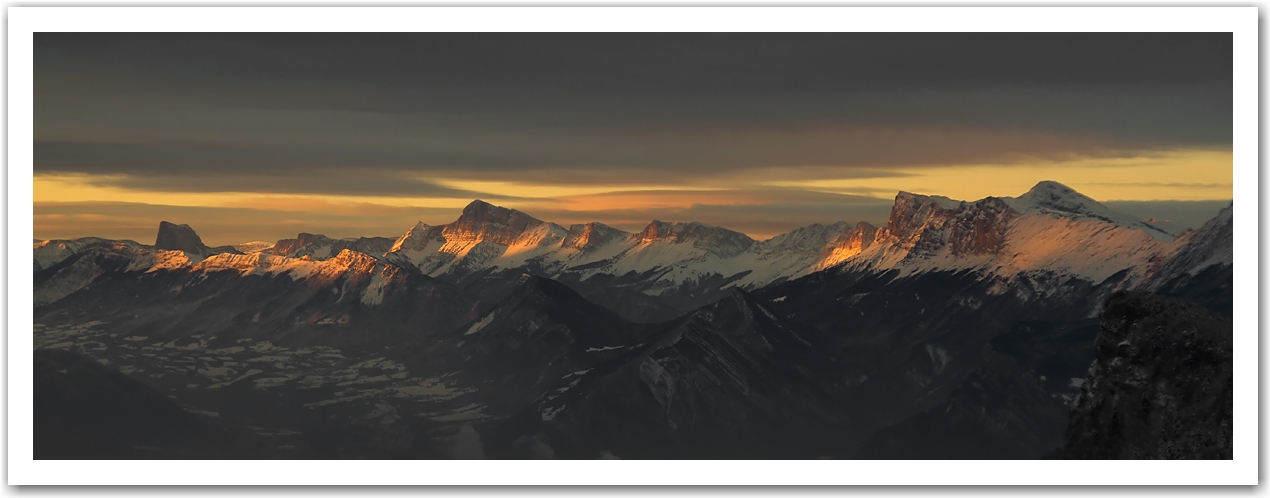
(1050, 228)
(716, 240)
(1058, 200)
(1194, 251)
(484, 221)
(317, 246)
(591, 236)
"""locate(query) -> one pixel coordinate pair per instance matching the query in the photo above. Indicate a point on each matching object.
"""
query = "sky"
(259, 136)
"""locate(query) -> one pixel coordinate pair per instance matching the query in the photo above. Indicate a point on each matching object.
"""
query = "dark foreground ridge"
(84, 410)
(1161, 386)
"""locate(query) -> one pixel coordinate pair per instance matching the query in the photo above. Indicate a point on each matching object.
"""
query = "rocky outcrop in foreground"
(1160, 387)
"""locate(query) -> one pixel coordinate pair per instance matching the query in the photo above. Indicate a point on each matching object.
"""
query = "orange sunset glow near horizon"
(261, 136)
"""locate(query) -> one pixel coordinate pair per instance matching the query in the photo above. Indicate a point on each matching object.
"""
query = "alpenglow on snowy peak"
(1051, 228)
(1050, 197)
(662, 257)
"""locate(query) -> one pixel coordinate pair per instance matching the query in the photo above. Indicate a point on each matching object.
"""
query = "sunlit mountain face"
(638, 246)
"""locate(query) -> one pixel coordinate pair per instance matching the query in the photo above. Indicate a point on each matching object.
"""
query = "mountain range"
(957, 330)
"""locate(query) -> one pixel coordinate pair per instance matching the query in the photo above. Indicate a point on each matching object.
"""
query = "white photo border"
(1241, 21)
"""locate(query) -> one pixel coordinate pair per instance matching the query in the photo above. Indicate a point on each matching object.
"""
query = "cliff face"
(1161, 386)
(848, 244)
(927, 224)
(175, 237)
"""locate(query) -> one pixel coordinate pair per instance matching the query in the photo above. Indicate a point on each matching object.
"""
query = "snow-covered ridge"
(50, 252)
(268, 264)
(1050, 228)
(721, 241)
(374, 276)
(71, 265)
(1058, 200)
(666, 255)
(253, 246)
(585, 237)
(486, 222)
(1195, 251)
(319, 246)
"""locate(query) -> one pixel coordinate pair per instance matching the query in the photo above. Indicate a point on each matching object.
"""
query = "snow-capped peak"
(1056, 199)
(1051, 228)
(481, 212)
(416, 238)
(655, 230)
(484, 221)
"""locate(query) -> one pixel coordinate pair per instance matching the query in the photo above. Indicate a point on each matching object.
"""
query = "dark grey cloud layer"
(674, 107)
(661, 62)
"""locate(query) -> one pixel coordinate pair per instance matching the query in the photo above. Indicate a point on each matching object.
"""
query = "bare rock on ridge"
(173, 237)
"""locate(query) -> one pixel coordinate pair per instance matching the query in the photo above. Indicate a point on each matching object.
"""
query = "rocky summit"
(179, 238)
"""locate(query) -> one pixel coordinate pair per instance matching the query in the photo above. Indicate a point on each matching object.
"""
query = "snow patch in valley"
(472, 411)
(432, 388)
(938, 357)
(550, 413)
(570, 386)
(268, 382)
(476, 327)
